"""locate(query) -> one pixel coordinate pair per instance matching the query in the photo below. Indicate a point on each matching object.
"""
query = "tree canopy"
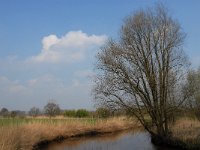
(144, 70)
(51, 109)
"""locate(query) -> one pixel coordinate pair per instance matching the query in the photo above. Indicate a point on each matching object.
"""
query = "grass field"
(44, 120)
(24, 133)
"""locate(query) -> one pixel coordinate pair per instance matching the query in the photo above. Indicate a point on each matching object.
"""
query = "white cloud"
(11, 87)
(84, 73)
(48, 41)
(76, 83)
(71, 47)
(38, 91)
(34, 80)
(42, 80)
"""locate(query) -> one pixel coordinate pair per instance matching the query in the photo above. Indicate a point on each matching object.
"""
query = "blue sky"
(47, 47)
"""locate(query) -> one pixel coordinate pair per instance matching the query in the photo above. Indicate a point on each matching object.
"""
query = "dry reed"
(25, 136)
(187, 130)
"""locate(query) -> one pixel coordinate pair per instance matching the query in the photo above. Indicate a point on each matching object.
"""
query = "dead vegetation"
(188, 131)
(26, 136)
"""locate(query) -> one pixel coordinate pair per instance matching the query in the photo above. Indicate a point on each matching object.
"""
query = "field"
(24, 133)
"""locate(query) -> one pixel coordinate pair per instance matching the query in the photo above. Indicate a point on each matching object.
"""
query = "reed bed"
(24, 133)
(187, 130)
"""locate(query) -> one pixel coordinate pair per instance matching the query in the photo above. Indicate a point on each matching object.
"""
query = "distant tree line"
(52, 109)
(4, 112)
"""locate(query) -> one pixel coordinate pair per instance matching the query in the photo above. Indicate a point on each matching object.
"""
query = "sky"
(48, 47)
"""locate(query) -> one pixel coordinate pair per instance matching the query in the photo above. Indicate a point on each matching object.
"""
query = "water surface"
(120, 141)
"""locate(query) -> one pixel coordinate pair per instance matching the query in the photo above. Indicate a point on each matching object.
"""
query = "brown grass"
(25, 136)
(187, 130)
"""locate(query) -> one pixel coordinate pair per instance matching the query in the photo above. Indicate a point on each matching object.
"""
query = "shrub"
(69, 113)
(103, 112)
(82, 113)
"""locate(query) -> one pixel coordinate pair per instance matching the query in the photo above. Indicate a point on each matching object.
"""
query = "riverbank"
(187, 132)
(33, 135)
(185, 135)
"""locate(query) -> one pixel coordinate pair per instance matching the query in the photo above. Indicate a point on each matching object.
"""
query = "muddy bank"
(172, 142)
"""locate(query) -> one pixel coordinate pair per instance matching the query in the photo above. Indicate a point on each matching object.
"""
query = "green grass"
(22, 121)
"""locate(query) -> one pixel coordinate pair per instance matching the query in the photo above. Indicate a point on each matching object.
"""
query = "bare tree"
(34, 111)
(144, 70)
(193, 86)
(13, 114)
(4, 112)
(52, 109)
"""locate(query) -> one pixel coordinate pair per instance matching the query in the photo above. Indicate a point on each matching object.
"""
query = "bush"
(103, 112)
(81, 113)
(69, 113)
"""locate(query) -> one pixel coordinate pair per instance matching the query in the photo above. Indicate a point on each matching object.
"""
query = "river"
(119, 141)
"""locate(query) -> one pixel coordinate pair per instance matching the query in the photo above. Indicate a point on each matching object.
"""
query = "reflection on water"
(121, 141)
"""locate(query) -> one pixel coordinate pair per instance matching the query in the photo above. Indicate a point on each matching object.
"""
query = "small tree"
(4, 112)
(13, 114)
(34, 111)
(52, 109)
